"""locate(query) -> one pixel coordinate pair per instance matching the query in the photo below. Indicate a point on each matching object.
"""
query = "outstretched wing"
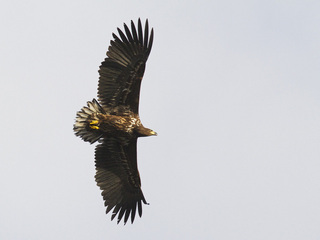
(122, 71)
(118, 177)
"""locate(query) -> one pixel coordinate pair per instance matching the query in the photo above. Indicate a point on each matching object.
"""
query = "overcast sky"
(231, 87)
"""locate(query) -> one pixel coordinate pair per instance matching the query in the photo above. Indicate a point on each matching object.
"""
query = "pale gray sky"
(231, 87)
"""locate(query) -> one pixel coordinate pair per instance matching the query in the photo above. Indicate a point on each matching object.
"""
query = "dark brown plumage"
(115, 122)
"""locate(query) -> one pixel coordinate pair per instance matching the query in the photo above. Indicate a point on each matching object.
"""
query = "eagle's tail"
(86, 117)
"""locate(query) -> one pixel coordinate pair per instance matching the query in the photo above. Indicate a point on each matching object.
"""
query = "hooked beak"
(153, 133)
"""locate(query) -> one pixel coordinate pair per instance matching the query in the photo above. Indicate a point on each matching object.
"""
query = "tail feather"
(84, 116)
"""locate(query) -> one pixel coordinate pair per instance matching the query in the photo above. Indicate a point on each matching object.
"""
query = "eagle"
(113, 121)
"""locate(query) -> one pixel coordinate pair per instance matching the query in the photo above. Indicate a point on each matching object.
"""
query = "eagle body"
(119, 125)
(113, 125)
(113, 121)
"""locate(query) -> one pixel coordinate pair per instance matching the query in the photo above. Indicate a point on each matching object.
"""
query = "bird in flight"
(114, 121)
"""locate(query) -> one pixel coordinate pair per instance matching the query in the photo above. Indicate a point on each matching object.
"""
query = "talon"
(94, 122)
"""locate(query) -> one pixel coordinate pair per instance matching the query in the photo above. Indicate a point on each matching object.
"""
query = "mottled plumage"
(114, 121)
